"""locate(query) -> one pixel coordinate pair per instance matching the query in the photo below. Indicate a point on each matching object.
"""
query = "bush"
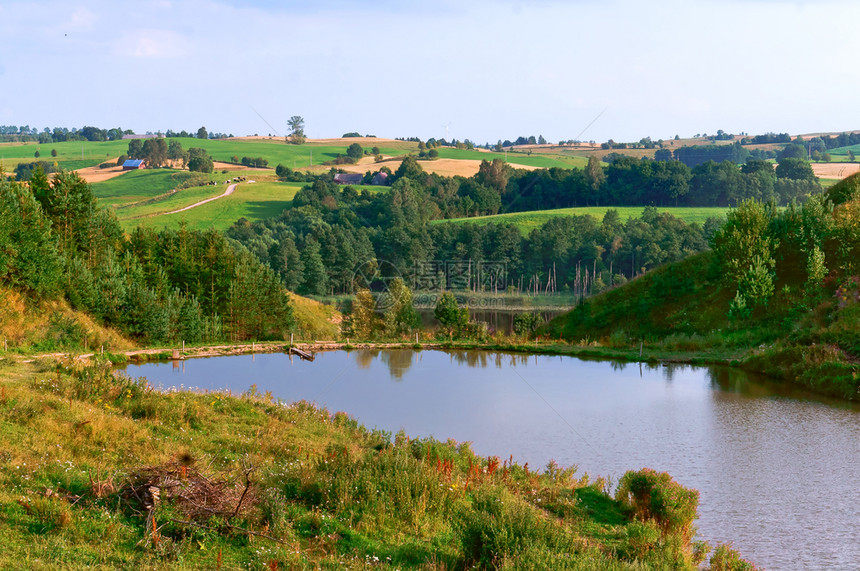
(655, 496)
(727, 559)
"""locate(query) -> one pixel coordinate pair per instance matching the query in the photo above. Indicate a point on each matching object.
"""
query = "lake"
(778, 471)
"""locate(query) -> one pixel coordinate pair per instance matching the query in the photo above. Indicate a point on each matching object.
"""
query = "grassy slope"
(81, 448)
(134, 186)
(316, 321)
(70, 155)
(51, 326)
(255, 201)
(528, 221)
(680, 311)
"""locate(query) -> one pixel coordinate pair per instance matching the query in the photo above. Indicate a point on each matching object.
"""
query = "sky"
(476, 69)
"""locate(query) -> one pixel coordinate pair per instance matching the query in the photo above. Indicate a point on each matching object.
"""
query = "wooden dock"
(303, 354)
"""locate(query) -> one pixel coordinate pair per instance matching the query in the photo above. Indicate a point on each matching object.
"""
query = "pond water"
(778, 472)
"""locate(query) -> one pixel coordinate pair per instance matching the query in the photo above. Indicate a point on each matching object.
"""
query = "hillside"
(779, 294)
(49, 326)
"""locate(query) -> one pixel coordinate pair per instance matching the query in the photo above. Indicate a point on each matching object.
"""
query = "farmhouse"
(133, 164)
(348, 178)
(380, 179)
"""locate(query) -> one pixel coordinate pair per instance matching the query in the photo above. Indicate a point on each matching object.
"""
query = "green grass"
(255, 201)
(133, 186)
(534, 160)
(528, 221)
(278, 152)
(70, 155)
(82, 448)
(843, 151)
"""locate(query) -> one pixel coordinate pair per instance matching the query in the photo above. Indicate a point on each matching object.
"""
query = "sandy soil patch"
(835, 170)
(229, 166)
(443, 167)
(95, 174)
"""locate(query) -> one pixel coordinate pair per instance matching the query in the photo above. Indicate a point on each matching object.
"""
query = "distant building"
(133, 165)
(349, 178)
(380, 179)
(141, 136)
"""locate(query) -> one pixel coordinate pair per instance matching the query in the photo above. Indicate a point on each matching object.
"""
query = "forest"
(155, 286)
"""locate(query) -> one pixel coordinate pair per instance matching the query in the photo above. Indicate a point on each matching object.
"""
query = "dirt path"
(227, 192)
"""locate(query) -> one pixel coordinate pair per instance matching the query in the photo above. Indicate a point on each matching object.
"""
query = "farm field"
(71, 155)
(528, 221)
(134, 186)
(254, 201)
(833, 170)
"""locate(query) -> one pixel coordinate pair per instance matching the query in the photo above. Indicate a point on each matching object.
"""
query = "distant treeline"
(628, 181)
(317, 245)
(25, 133)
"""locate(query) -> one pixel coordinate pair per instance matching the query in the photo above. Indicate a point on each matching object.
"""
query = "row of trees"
(157, 151)
(317, 245)
(158, 287)
(799, 246)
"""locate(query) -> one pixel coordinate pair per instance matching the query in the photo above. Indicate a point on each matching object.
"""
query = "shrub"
(655, 496)
(727, 559)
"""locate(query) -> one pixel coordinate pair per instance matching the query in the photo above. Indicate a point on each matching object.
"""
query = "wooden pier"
(303, 354)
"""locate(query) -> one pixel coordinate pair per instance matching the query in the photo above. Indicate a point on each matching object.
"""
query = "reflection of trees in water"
(364, 357)
(618, 365)
(398, 361)
(671, 369)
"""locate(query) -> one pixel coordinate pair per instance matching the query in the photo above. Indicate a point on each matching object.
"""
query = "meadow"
(138, 185)
(254, 201)
(521, 158)
(71, 155)
(533, 219)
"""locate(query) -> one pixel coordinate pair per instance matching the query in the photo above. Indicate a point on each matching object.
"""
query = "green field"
(534, 160)
(255, 201)
(843, 151)
(70, 155)
(134, 186)
(528, 221)
(278, 152)
(78, 154)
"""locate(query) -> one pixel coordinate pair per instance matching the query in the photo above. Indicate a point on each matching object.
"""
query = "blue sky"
(491, 69)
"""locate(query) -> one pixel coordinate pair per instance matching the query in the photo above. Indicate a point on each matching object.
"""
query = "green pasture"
(137, 185)
(843, 151)
(540, 160)
(277, 151)
(71, 155)
(528, 221)
(255, 201)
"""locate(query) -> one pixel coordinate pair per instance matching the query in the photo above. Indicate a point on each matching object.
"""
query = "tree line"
(162, 286)
(316, 245)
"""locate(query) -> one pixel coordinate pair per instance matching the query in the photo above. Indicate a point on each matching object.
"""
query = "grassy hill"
(530, 220)
(28, 326)
(804, 331)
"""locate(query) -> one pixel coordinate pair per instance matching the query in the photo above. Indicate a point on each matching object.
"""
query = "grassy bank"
(680, 312)
(102, 470)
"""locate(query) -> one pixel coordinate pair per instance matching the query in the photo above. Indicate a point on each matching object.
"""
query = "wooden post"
(416, 338)
(291, 339)
(103, 349)
(253, 346)
(183, 345)
(640, 347)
